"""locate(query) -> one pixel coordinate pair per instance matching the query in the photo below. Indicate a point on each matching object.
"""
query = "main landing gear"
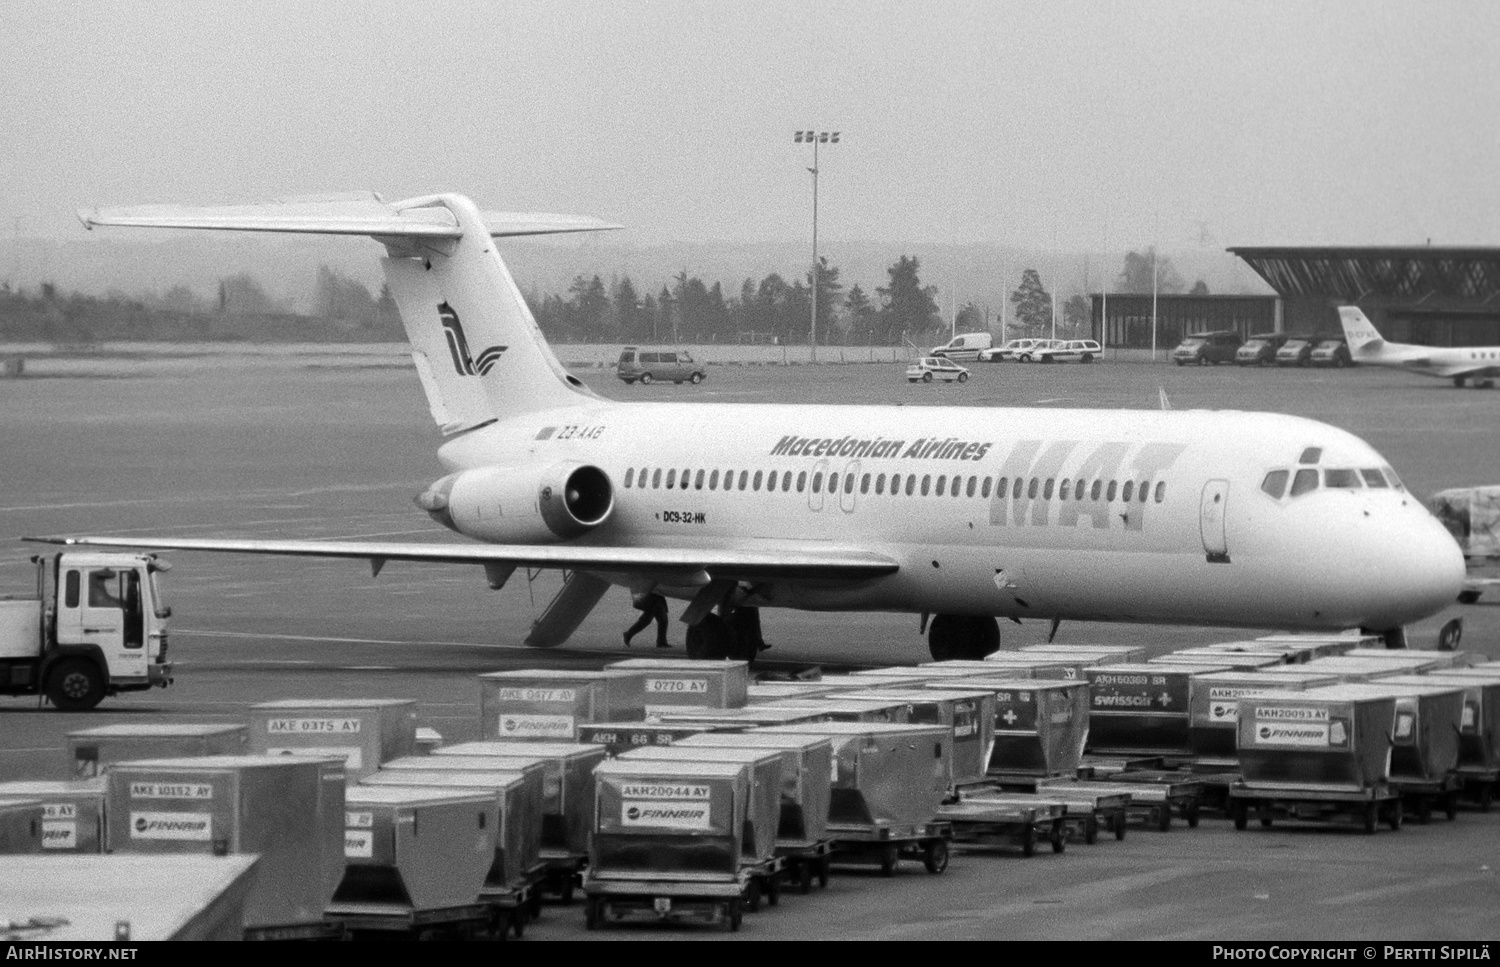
(736, 637)
(962, 636)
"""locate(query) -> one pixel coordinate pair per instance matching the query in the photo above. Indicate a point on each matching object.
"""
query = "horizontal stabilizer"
(354, 214)
(784, 560)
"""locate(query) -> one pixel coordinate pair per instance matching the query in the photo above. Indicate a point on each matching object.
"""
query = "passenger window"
(713, 480)
(1079, 489)
(957, 488)
(1110, 493)
(1306, 480)
(973, 484)
(628, 475)
(911, 483)
(1015, 491)
(941, 481)
(1001, 487)
(1145, 486)
(1275, 483)
(771, 480)
(1310, 455)
(1128, 491)
(786, 481)
(1047, 489)
(755, 482)
(849, 482)
(1161, 491)
(656, 479)
(880, 484)
(686, 472)
(864, 484)
(984, 488)
(698, 481)
(671, 478)
(744, 478)
(926, 483)
(833, 483)
(1342, 479)
(1094, 491)
(817, 483)
(801, 481)
(1064, 490)
(1373, 478)
(1031, 489)
(70, 590)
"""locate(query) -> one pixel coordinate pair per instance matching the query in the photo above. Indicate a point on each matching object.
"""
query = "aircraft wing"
(785, 560)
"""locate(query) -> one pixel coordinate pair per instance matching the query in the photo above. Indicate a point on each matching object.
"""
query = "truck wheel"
(696, 378)
(935, 857)
(646, 379)
(75, 685)
(926, 377)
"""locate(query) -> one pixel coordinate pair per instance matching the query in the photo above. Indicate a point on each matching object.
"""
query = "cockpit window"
(1275, 483)
(1305, 482)
(1311, 455)
(1390, 475)
(1344, 479)
(1373, 478)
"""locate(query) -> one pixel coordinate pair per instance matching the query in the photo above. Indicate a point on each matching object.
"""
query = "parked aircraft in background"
(1459, 363)
(968, 514)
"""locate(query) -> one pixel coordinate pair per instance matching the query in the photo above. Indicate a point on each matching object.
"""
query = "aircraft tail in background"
(476, 347)
(1359, 330)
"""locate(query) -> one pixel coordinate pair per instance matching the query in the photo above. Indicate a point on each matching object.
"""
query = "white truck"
(97, 626)
(964, 347)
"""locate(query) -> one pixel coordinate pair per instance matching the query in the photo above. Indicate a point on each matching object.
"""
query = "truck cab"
(97, 626)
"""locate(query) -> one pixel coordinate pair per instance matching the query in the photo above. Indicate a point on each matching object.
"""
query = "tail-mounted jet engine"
(521, 506)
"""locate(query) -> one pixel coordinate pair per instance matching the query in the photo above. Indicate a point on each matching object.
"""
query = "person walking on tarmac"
(653, 607)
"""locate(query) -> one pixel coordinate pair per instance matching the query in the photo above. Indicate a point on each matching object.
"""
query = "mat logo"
(197, 827)
(171, 790)
(537, 727)
(458, 346)
(667, 814)
(359, 844)
(59, 835)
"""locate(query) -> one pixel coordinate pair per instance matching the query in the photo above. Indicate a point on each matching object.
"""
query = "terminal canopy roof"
(1470, 275)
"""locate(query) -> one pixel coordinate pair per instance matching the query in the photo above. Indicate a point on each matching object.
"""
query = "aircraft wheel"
(712, 639)
(75, 685)
(954, 636)
(646, 379)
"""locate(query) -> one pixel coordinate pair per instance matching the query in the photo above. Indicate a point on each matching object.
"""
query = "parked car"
(650, 365)
(1260, 349)
(1207, 347)
(1009, 352)
(1082, 350)
(963, 348)
(929, 368)
(1031, 355)
(1332, 351)
(1295, 352)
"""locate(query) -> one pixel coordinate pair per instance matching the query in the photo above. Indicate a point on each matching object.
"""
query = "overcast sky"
(1203, 124)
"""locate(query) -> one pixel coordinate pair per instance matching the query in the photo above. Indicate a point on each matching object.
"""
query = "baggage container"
(1417, 659)
(1240, 661)
(517, 816)
(567, 795)
(884, 775)
(550, 705)
(20, 825)
(761, 692)
(1142, 708)
(1010, 664)
(1041, 726)
(1074, 663)
(668, 838)
(426, 741)
(286, 809)
(763, 805)
(671, 683)
(617, 737)
(414, 859)
(806, 780)
(749, 717)
(1429, 716)
(72, 812)
(91, 751)
(1355, 670)
(1214, 701)
(1114, 654)
(857, 681)
(970, 713)
(1335, 737)
(1293, 653)
(837, 708)
(124, 898)
(1479, 716)
(1326, 645)
(362, 732)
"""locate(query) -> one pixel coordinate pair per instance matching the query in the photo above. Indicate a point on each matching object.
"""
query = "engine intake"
(522, 505)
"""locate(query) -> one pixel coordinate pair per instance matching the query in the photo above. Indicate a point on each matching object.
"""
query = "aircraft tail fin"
(1359, 330)
(476, 347)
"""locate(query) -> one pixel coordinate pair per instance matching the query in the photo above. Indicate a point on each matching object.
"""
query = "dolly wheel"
(1028, 841)
(935, 856)
(773, 890)
(1091, 831)
(752, 895)
(518, 922)
(1118, 822)
(591, 913)
(804, 878)
(1164, 818)
(889, 857)
(1240, 813)
(736, 914)
(823, 866)
(1059, 839)
(1190, 813)
(1424, 810)
(1265, 815)
(565, 895)
(1450, 806)
(1372, 818)
(1394, 815)
(1486, 797)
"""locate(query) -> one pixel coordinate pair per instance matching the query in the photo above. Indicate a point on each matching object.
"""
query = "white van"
(965, 347)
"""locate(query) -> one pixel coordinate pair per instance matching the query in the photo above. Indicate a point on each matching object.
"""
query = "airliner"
(961, 514)
(1460, 363)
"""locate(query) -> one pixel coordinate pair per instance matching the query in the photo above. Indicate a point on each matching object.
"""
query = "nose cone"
(1421, 571)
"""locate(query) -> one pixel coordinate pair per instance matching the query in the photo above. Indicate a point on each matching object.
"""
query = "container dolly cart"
(1423, 798)
(465, 922)
(1368, 806)
(1018, 819)
(514, 908)
(1478, 783)
(721, 902)
(1091, 808)
(561, 875)
(805, 864)
(1156, 794)
(887, 845)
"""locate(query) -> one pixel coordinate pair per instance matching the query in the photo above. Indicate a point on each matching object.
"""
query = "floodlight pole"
(815, 137)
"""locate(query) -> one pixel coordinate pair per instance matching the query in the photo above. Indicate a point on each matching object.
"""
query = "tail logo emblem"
(458, 346)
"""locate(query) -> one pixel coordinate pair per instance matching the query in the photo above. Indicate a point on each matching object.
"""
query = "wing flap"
(783, 561)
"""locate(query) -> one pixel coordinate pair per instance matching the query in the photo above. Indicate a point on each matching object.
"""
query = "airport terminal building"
(1434, 296)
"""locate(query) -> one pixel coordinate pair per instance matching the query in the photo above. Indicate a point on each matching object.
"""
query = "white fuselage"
(1207, 544)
